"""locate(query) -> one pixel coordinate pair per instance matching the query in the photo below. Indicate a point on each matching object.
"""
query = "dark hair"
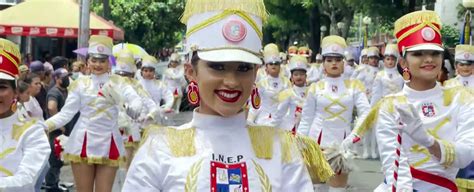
(195, 58)
(29, 78)
(22, 86)
(59, 62)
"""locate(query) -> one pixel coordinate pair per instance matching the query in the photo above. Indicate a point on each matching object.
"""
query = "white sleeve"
(68, 111)
(308, 113)
(129, 94)
(167, 96)
(282, 110)
(386, 131)
(36, 150)
(296, 177)
(377, 91)
(145, 172)
(362, 105)
(463, 146)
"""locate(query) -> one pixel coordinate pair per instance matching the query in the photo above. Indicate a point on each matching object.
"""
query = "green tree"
(149, 23)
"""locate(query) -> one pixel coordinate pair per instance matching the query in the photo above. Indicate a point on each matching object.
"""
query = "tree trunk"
(315, 30)
(333, 28)
(348, 18)
(106, 4)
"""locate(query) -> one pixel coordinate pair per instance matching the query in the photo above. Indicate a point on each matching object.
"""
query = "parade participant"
(174, 80)
(94, 147)
(363, 61)
(315, 72)
(24, 148)
(24, 71)
(328, 109)
(388, 81)
(425, 133)
(464, 67)
(217, 150)
(349, 65)
(291, 100)
(270, 87)
(155, 88)
(292, 51)
(78, 69)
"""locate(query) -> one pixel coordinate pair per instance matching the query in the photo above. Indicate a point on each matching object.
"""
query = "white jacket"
(158, 91)
(24, 152)
(288, 113)
(327, 112)
(447, 115)
(387, 81)
(220, 153)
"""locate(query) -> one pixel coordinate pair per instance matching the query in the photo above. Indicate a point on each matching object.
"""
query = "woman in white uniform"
(24, 147)
(217, 150)
(327, 111)
(174, 80)
(95, 148)
(291, 100)
(464, 57)
(425, 132)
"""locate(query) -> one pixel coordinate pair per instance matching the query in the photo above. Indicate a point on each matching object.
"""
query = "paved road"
(364, 179)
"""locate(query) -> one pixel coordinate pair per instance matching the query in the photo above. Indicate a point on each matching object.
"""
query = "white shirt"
(33, 108)
(217, 152)
(24, 152)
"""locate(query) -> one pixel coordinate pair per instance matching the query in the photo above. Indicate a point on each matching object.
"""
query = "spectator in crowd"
(24, 70)
(32, 106)
(56, 98)
(59, 62)
(39, 70)
(78, 69)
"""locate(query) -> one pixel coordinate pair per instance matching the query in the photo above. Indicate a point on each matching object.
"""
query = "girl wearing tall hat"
(269, 87)
(328, 109)
(95, 148)
(174, 80)
(24, 147)
(157, 89)
(291, 100)
(217, 150)
(315, 71)
(425, 132)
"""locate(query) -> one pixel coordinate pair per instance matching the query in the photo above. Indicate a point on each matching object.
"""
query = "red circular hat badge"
(234, 31)
(428, 34)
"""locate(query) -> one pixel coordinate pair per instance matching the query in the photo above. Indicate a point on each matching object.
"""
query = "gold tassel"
(262, 138)
(370, 119)
(180, 142)
(193, 7)
(354, 84)
(318, 167)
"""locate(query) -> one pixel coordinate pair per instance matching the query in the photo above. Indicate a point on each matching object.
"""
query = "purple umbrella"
(83, 52)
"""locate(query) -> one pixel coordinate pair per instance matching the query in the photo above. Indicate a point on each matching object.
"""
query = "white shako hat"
(100, 46)
(125, 62)
(149, 62)
(225, 30)
(333, 46)
(464, 54)
(391, 50)
(298, 62)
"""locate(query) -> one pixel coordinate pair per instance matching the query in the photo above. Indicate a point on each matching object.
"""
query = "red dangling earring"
(406, 74)
(14, 105)
(193, 93)
(255, 98)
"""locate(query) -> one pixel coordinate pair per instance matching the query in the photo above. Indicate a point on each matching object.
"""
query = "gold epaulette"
(464, 95)
(83, 79)
(21, 127)
(387, 103)
(292, 148)
(179, 141)
(284, 95)
(354, 84)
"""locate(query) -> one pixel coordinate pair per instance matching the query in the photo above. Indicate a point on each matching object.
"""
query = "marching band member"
(363, 61)
(24, 147)
(155, 88)
(174, 80)
(464, 67)
(292, 51)
(349, 64)
(327, 111)
(217, 150)
(291, 100)
(270, 87)
(94, 147)
(388, 81)
(425, 132)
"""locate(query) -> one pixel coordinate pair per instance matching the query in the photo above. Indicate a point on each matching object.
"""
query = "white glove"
(348, 142)
(414, 126)
(134, 109)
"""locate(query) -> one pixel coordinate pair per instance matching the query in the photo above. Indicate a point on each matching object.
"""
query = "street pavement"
(365, 178)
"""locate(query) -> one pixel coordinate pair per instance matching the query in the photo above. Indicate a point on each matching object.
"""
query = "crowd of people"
(265, 119)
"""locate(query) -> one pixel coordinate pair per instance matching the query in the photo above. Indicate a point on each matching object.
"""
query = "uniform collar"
(205, 121)
(100, 78)
(9, 120)
(411, 93)
(391, 70)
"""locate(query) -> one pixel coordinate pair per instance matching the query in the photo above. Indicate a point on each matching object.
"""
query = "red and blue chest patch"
(229, 177)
